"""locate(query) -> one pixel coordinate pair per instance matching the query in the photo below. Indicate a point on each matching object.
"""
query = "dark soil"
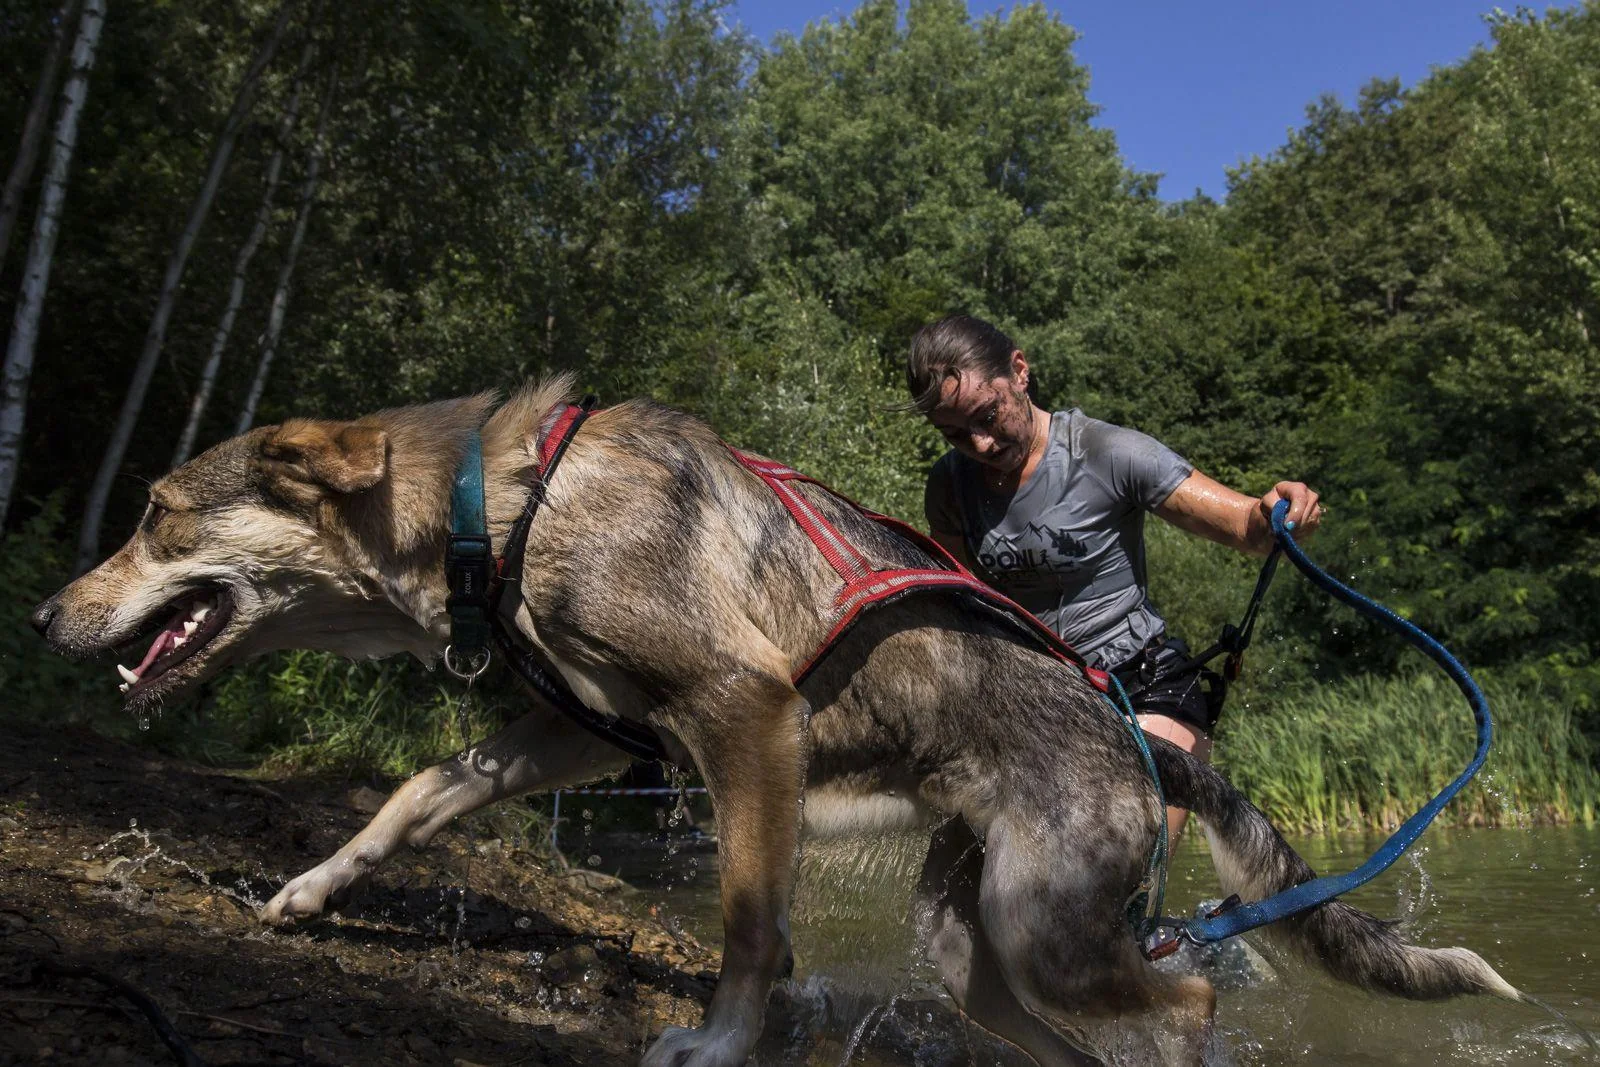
(117, 862)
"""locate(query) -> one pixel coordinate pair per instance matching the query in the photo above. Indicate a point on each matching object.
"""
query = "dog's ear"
(347, 457)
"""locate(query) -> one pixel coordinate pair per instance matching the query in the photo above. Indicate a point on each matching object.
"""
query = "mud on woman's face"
(988, 419)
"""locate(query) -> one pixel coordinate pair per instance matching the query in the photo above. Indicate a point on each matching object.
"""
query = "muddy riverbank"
(149, 870)
(118, 862)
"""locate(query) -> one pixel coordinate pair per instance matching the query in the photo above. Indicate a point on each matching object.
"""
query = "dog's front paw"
(326, 887)
(681, 1047)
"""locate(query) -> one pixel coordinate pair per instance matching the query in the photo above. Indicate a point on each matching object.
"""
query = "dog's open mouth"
(196, 619)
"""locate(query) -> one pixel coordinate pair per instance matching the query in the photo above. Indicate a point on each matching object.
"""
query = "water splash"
(1588, 1038)
(121, 871)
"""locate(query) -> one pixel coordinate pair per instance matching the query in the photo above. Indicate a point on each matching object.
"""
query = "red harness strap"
(867, 587)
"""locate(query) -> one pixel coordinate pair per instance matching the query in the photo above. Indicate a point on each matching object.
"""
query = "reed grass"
(1366, 752)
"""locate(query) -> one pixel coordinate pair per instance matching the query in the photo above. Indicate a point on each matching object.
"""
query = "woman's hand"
(1305, 514)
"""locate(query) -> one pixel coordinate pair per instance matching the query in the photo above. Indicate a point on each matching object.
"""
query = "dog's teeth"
(201, 612)
(189, 627)
(127, 675)
(123, 688)
(177, 642)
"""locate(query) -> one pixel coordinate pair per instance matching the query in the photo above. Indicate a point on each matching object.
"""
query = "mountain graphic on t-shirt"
(1035, 548)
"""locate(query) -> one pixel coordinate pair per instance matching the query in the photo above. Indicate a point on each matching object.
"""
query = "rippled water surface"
(1525, 899)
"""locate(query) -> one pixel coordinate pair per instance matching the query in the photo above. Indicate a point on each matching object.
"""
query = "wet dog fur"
(667, 584)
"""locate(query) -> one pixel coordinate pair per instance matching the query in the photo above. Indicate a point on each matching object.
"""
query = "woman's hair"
(948, 349)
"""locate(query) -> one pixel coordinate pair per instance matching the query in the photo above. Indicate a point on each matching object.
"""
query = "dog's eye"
(152, 515)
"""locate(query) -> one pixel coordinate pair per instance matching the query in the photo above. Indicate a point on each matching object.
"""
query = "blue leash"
(1238, 918)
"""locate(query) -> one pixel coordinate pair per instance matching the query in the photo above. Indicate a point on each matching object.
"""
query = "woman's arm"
(1205, 507)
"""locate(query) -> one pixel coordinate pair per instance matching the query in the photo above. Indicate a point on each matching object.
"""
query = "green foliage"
(308, 711)
(904, 170)
(35, 559)
(1398, 305)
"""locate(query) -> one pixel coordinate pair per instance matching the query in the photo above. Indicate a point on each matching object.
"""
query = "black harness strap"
(636, 739)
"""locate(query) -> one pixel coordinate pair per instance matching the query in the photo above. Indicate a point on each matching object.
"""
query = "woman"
(1049, 508)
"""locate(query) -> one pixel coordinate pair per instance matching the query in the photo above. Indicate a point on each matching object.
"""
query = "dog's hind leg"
(541, 750)
(960, 949)
(748, 737)
(1053, 911)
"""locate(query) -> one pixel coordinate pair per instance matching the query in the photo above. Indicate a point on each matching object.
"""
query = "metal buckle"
(476, 664)
(1167, 937)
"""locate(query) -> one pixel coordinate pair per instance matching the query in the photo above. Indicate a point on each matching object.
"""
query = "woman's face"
(988, 419)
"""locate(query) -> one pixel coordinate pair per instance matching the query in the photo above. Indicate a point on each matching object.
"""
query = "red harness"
(864, 586)
(868, 587)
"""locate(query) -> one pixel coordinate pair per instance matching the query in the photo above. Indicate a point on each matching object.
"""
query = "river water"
(1524, 899)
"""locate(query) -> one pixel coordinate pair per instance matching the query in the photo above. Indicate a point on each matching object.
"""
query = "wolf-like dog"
(667, 584)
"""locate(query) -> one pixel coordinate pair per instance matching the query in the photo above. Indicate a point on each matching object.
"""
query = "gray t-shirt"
(1069, 545)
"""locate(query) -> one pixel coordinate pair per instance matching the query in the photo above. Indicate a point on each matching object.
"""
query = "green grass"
(1367, 752)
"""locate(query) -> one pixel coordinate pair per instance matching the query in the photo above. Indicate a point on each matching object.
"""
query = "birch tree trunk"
(33, 127)
(219, 342)
(222, 150)
(41, 251)
(280, 297)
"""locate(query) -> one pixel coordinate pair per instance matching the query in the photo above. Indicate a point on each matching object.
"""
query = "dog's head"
(266, 541)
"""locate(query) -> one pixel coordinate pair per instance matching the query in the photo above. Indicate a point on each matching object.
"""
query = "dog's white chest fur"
(835, 811)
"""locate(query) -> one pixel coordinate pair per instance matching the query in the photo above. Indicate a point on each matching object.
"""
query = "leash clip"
(1166, 938)
(1169, 934)
(477, 662)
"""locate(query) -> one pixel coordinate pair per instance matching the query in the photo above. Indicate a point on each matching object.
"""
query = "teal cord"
(1146, 904)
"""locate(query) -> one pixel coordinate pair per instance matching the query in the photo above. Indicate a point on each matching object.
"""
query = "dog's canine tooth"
(127, 676)
(189, 627)
(200, 612)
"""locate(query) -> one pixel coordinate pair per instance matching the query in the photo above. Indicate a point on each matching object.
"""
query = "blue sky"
(1192, 88)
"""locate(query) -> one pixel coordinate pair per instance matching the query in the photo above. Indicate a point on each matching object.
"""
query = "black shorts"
(1157, 684)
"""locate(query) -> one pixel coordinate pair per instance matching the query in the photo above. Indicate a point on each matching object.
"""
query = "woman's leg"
(1192, 740)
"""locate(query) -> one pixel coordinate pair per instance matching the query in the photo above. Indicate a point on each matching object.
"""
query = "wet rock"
(567, 967)
(365, 800)
(595, 881)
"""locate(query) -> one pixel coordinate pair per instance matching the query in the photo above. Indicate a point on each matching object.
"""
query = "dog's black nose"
(42, 617)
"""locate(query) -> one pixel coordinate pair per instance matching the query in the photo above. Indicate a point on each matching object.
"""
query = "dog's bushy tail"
(1254, 861)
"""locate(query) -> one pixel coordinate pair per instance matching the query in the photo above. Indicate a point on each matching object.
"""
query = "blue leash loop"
(1234, 919)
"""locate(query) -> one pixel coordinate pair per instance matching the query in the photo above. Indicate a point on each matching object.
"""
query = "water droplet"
(593, 861)
(144, 722)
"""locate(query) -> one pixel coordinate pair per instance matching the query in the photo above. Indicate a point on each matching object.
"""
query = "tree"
(280, 294)
(41, 252)
(155, 337)
(241, 266)
(33, 127)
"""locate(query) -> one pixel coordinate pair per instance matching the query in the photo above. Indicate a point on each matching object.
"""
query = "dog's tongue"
(164, 640)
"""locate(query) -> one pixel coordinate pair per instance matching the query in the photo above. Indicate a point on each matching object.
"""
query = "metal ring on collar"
(476, 664)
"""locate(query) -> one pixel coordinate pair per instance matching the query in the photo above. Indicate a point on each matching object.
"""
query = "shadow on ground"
(476, 951)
